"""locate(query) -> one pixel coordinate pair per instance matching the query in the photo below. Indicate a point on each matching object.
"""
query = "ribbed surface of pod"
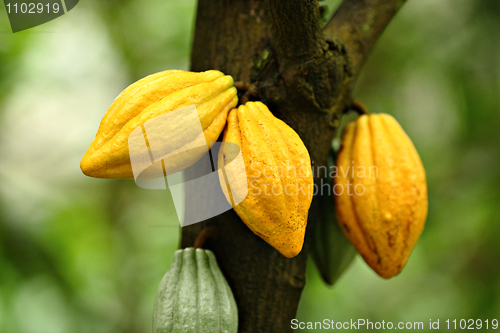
(278, 175)
(383, 204)
(211, 92)
(194, 297)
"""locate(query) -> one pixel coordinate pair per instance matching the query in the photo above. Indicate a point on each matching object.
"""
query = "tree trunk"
(278, 52)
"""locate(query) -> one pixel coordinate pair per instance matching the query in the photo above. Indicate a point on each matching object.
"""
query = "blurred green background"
(86, 255)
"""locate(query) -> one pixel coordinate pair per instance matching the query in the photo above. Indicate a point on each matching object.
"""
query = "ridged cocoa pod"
(194, 296)
(278, 176)
(383, 205)
(211, 92)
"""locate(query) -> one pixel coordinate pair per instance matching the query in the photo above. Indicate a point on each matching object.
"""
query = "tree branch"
(296, 30)
(313, 73)
(358, 24)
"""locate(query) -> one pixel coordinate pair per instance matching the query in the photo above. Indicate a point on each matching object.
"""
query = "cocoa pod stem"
(359, 107)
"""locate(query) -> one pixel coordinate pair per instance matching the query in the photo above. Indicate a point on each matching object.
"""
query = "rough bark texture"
(278, 49)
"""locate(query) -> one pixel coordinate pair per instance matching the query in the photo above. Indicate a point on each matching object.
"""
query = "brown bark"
(359, 24)
(278, 48)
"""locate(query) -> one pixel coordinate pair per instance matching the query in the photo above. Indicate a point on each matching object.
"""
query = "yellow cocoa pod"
(382, 205)
(211, 92)
(278, 175)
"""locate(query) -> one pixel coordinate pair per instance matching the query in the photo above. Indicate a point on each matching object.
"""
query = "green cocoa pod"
(331, 251)
(194, 296)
